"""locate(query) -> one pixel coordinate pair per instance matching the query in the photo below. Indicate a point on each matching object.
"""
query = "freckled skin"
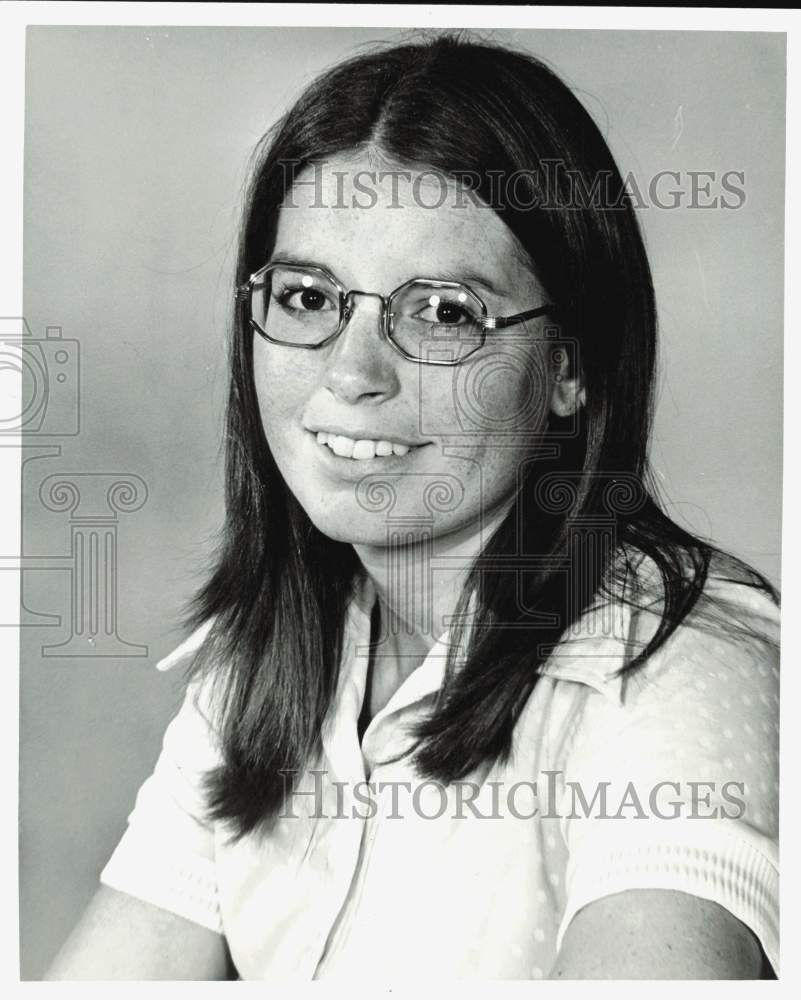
(359, 380)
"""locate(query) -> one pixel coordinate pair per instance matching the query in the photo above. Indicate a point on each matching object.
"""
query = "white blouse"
(666, 779)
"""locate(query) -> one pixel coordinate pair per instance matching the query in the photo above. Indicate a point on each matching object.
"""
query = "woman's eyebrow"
(472, 278)
(298, 259)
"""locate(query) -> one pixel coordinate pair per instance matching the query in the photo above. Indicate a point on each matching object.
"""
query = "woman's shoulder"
(734, 615)
(187, 649)
(704, 705)
(692, 737)
(717, 669)
(200, 710)
(746, 593)
(733, 618)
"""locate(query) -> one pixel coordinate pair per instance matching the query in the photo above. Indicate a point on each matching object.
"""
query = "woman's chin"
(369, 531)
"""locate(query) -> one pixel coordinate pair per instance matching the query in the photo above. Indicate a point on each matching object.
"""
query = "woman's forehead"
(383, 220)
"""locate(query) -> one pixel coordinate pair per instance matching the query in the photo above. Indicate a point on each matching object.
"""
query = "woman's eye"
(304, 299)
(446, 314)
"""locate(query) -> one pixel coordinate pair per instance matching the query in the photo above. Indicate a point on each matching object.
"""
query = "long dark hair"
(587, 510)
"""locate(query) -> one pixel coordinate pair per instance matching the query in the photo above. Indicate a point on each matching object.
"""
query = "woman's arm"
(657, 934)
(156, 913)
(121, 937)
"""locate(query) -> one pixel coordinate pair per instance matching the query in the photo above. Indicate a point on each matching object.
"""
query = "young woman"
(462, 701)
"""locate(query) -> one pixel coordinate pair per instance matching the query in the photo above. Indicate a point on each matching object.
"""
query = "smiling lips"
(364, 448)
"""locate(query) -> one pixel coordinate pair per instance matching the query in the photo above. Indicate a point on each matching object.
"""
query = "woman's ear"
(568, 394)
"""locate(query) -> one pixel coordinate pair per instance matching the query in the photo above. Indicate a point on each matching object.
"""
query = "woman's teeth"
(346, 447)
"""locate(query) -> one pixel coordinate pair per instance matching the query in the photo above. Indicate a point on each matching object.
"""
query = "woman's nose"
(361, 365)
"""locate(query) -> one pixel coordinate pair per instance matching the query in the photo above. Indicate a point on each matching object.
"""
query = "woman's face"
(469, 428)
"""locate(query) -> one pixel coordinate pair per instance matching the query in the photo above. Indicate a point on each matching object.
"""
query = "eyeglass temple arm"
(242, 292)
(500, 322)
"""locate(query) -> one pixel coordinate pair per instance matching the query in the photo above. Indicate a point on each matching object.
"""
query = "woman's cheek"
(508, 392)
(437, 411)
(501, 393)
(282, 389)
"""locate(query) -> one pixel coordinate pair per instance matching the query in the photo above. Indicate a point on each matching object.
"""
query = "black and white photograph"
(398, 450)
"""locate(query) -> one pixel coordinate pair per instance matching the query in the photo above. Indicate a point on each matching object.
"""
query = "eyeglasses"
(425, 320)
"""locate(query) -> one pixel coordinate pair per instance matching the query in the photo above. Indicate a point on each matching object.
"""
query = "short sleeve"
(166, 855)
(675, 785)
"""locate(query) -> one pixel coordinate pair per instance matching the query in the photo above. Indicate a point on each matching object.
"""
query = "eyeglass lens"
(427, 321)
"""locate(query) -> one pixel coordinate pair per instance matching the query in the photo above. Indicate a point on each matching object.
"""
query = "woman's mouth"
(363, 449)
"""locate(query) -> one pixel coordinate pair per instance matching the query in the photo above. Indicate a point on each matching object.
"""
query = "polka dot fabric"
(665, 778)
(689, 763)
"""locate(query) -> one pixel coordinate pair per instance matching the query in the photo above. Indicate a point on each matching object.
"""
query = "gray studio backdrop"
(136, 147)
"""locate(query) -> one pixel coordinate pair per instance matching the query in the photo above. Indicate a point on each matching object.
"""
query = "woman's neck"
(415, 597)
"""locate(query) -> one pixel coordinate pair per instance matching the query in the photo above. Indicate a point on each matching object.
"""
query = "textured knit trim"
(183, 884)
(727, 867)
